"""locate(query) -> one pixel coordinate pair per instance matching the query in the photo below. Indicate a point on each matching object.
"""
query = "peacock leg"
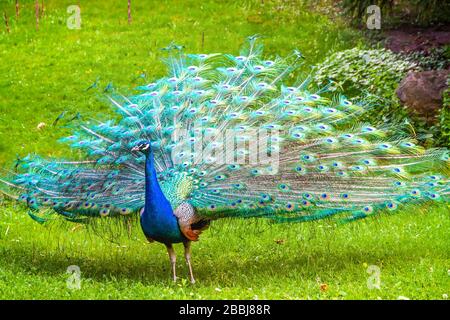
(173, 260)
(187, 255)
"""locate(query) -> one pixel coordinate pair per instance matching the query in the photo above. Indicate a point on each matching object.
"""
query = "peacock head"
(143, 147)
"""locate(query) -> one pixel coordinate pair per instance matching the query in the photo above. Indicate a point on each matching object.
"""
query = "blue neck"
(155, 199)
(158, 221)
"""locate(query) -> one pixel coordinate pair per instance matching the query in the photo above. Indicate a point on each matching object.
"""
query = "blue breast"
(162, 228)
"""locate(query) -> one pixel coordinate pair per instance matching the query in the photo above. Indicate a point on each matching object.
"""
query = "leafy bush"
(442, 128)
(435, 59)
(356, 71)
(374, 75)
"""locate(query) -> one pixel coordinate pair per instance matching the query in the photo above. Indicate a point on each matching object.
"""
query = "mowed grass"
(47, 72)
(234, 259)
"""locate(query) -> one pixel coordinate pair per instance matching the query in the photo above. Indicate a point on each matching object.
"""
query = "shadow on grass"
(215, 266)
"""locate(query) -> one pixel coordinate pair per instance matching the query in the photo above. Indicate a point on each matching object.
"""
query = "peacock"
(223, 136)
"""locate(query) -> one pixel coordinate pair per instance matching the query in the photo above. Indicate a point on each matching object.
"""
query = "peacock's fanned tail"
(328, 162)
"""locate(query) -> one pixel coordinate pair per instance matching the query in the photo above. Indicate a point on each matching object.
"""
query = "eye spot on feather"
(341, 173)
(283, 187)
(324, 196)
(345, 196)
(220, 177)
(346, 102)
(192, 68)
(307, 196)
(289, 206)
(307, 158)
(434, 196)
(347, 136)
(399, 184)
(367, 129)
(368, 209)
(391, 206)
(238, 186)
(305, 203)
(212, 207)
(201, 173)
(300, 169)
(125, 211)
(104, 212)
(262, 85)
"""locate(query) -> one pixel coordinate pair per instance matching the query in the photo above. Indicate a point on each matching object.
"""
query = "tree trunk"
(129, 12)
(17, 10)
(6, 21)
(37, 14)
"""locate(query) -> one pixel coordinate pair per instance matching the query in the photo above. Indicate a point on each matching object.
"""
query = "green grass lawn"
(234, 259)
(47, 72)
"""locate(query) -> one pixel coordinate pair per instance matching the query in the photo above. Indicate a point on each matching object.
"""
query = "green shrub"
(435, 59)
(373, 76)
(442, 129)
(356, 71)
